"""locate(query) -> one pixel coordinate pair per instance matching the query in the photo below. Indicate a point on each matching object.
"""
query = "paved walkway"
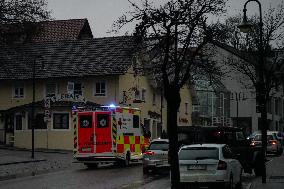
(275, 175)
(18, 162)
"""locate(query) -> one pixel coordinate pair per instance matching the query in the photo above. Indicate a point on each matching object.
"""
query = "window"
(50, 89)
(38, 122)
(186, 108)
(60, 121)
(159, 145)
(143, 97)
(199, 153)
(276, 106)
(137, 94)
(102, 120)
(154, 99)
(77, 88)
(136, 121)
(18, 122)
(70, 87)
(18, 91)
(100, 88)
(86, 121)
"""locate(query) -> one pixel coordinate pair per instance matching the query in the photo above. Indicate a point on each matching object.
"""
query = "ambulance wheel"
(91, 165)
(127, 160)
(146, 170)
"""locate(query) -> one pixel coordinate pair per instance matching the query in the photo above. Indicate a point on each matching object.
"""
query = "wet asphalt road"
(80, 177)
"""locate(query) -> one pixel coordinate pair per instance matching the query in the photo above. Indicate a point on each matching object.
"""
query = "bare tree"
(21, 13)
(263, 66)
(172, 30)
(248, 44)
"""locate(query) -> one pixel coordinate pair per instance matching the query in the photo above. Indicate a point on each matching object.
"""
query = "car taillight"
(273, 142)
(222, 165)
(252, 143)
(149, 153)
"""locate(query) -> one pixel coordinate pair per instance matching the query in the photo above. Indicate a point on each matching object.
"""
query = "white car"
(208, 165)
(156, 156)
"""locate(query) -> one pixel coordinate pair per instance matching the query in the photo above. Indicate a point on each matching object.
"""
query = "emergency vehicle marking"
(74, 114)
(114, 133)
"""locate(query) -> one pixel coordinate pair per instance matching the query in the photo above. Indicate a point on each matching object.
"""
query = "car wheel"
(240, 183)
(280, 151)
(127, 160)
(258, 167)
(231, 183)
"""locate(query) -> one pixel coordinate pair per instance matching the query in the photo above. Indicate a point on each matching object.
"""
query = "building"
(242, 106)
(70, 73)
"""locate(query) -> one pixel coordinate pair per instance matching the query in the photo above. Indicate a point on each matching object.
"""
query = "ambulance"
(108, 134)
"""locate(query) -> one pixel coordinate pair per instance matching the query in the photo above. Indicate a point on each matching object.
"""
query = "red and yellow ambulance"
(108, 134)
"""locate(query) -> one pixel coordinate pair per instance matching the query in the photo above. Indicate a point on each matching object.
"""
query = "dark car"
(249, 156)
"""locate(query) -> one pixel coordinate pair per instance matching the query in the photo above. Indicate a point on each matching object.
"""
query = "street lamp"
(246, 27)
(33, 111)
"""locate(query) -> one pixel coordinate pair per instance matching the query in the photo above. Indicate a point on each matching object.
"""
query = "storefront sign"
(68, 97)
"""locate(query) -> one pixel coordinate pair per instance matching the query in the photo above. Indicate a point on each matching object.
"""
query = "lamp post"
(260, 91)
(33, 111)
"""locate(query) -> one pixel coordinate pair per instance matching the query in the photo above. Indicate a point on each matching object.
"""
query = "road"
(106, 177)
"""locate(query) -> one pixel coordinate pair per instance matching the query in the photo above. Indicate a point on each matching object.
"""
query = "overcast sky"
(102, 13)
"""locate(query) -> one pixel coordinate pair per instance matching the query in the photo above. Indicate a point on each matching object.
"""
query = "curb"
(31, 173)
(36, 150)
(18, 162)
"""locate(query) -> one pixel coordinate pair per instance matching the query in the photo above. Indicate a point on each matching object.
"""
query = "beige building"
(70, 74)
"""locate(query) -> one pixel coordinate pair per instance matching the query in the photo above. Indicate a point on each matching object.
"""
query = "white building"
(243, 108)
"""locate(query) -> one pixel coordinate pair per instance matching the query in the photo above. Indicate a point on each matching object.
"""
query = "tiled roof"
(55, 30)
(60, 30)
(101, 56)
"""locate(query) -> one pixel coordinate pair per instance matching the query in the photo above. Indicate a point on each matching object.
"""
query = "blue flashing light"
(112, 106)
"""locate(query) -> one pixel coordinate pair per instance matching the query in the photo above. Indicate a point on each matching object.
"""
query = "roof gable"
(56, 30)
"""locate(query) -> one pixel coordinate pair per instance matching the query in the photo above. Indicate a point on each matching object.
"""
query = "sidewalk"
(16, 162)
(275, 175)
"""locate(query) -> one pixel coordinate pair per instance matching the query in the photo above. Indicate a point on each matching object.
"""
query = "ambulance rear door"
(103, 136)
(86, 132)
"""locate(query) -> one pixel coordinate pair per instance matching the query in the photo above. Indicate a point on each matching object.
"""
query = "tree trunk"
(173, 102)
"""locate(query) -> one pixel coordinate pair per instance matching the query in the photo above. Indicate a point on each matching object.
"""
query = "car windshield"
(258, 137)
(199, 153)
(159, 145)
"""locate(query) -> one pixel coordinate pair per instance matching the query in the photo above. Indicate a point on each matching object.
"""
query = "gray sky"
(102, 13)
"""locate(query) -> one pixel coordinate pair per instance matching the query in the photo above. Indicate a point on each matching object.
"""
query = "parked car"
(208, 165)
(278, 135)
(273, 144)
(249, 156)
(156, 156)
